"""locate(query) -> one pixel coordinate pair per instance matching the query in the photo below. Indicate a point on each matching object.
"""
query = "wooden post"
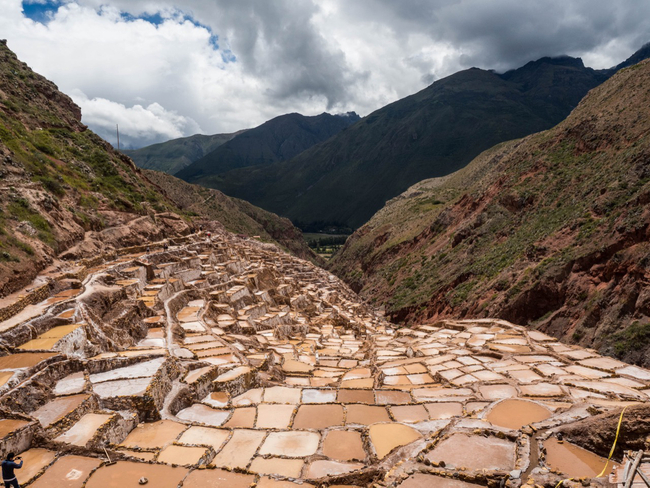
(118, 136)
(632, 473)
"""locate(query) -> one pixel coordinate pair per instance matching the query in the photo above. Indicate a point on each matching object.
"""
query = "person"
(8, 467)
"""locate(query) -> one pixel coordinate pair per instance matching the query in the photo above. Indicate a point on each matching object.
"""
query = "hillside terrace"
(225, 362)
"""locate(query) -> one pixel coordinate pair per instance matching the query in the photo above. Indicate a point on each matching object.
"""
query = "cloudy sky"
(166, 68)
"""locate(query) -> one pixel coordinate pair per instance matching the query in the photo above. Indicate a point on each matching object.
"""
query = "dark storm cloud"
(277, 40)
(508, 33)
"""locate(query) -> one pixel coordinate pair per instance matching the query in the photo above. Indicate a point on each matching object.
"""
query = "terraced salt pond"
(230, 355)
(514, 414)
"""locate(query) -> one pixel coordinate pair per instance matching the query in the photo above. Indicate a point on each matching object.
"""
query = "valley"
(487, 327)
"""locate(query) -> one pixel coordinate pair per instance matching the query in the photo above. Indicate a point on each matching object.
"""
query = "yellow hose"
(611, 452)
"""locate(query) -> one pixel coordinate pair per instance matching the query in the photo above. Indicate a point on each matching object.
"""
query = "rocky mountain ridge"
(279, 139)
(172, 156)
(345, 180)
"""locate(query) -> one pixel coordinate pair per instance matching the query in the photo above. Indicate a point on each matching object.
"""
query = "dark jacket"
(8, 469)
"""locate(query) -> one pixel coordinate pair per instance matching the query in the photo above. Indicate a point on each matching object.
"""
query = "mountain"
(278, 139)
(433, 133)
(172, 156)
(66, 194)
(551, 231)
(237, 216)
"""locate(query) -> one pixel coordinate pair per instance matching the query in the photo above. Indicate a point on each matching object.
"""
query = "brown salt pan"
(182, 455)
(392, 397)
(217, 478)
(240, 449)
(386, 437)
(356, 396)
(274, 416)
(68, 314)
(410, 413)
(205, 436)
(7, 426)
(514, 414)
(281, 394)
(475, 452)
(344, 445)
(290, 444)
(24, 360)
(438, 411)
(498, 392)
(154, 435)
(194, 375)
(366, 414)
(242, 417)
(573, 460)
(126, 474)
(290, 468)
(5, 377)
(318, 416)
(67, 472)
(34, 461)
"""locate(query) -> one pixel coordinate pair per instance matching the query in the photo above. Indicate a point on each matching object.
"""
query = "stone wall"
(35, 296)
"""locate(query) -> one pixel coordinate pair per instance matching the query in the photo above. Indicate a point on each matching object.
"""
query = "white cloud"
(137, 124)
(294, 56)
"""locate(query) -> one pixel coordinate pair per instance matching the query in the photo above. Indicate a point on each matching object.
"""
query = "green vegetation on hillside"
(61, 180)
(325, 245)
(551, 230)
(43, 142)
(278, 139)
(172, 156)
(237, 216)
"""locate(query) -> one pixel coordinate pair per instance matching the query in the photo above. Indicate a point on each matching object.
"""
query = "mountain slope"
(237, 216)
(551, 230)
(433, 133)
(278, 139)
(172, 156)
(65, 193)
